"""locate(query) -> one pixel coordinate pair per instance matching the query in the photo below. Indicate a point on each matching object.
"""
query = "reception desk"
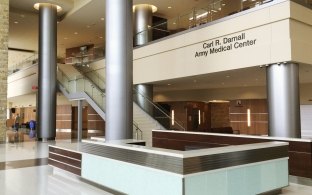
(300, 150)
(132, 169)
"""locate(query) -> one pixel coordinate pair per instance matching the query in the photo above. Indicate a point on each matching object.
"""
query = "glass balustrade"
(82, 84)
(32, 60)
(97, 80)
(206, 13)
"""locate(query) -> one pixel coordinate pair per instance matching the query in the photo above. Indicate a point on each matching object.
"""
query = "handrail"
(92, 95)
(136, 91)
(203, 14)
(21, 65)
(159, 108)
(137, 129)
(95, 85)
(178, 123)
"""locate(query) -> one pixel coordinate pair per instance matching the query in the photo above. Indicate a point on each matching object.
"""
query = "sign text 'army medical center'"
(225, 44)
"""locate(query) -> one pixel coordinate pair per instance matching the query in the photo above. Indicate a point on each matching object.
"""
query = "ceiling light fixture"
(58, 8)
(76, 33)
(154, 8)
(102, 19)
(169, 7)
(15, 22)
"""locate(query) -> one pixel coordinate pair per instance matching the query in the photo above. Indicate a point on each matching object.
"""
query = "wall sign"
(225, 44)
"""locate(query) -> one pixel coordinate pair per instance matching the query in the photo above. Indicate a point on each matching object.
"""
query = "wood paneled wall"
(219, 114)
(258, 116)
(64, 117)
(95, 122)
(180, 115)
(74, 122)
(26, 114)
(187, 115)
(212, 115)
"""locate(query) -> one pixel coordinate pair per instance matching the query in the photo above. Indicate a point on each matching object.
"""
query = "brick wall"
(4, 37)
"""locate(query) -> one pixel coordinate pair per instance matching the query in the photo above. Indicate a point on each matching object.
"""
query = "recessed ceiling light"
(168, 84)
(15, 22)
(76, 33)
(169, 7)
(102, 19)
(174, 23)
(101, 37)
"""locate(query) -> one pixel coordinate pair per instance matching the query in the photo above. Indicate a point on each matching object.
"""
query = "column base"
(45, 139)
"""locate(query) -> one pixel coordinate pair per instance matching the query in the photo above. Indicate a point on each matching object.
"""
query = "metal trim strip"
(186, 165)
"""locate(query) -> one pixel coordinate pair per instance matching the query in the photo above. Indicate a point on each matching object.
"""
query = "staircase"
(74, 84)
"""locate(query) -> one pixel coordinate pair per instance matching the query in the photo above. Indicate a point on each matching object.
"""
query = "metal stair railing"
(75, 86)
(94, 77)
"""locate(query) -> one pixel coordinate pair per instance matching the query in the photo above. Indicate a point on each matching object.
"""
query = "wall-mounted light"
(172, 117)
(248, 117)
(199, 117)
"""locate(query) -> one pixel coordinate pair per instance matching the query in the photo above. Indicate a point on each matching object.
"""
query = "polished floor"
(24, 171)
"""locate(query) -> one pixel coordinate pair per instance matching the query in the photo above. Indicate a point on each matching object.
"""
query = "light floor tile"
(43, 180)
(297, 189)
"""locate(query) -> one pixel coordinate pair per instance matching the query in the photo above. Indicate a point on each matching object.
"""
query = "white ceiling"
(247, 77)
(81, 16)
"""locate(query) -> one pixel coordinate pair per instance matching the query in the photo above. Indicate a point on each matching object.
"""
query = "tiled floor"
(24, 170)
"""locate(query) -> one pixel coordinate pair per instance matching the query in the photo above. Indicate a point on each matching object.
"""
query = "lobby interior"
(174, 89)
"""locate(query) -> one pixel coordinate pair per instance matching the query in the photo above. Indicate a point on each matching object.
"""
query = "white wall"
(175, 57)
(306, 120)
(21, 82)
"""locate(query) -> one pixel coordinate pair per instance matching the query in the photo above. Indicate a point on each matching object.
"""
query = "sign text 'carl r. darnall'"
(225, 44)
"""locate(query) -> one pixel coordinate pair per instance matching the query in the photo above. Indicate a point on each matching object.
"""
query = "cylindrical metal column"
(143, 16)
(79, 129)
(119, 62)
(47, 72)
(144, 97)
(283, 100)
(143, 19)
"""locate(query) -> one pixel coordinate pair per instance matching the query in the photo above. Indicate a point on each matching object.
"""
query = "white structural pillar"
(283, 100)
(79, 129)
(119, 63)
(47, 71)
